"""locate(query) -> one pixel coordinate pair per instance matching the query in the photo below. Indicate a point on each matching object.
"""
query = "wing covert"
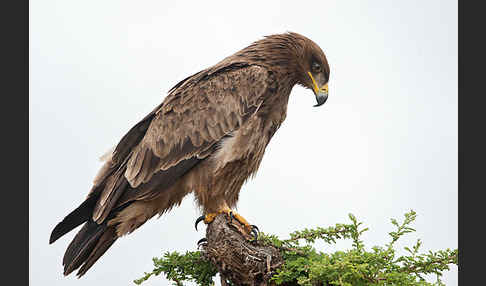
(196, 116)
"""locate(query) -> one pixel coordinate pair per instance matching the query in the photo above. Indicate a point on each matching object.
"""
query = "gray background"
(384, 143)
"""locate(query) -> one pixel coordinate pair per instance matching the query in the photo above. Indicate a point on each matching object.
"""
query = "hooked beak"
(321, 93)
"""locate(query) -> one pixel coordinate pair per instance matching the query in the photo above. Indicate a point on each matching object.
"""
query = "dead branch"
(239, 260)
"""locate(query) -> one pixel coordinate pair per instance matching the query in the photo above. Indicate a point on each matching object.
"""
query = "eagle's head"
(296, 58)
(311, 69)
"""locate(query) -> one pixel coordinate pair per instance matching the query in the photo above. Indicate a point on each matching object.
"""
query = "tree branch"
(239, 260)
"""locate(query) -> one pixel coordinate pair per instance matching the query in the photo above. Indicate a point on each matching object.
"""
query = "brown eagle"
(207, 136)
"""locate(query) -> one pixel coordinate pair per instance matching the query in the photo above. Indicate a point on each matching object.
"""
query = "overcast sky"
(384, 143)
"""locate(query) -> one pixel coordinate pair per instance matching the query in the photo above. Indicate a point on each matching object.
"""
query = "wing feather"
(203, 115)
(183, 130)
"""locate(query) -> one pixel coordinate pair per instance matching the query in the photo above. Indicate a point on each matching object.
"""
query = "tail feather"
(91, 241)
(105, 241)
(87, 246)
(74, 219)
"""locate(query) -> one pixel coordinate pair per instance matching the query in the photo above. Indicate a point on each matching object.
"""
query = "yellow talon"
(209, 218)
(242, 220)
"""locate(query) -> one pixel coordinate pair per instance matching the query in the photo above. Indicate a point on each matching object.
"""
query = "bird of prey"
(208, 136)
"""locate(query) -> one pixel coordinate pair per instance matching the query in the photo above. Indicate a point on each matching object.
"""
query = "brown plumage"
(208, 136)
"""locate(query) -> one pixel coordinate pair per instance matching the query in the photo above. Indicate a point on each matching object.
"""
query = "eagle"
(207, 137)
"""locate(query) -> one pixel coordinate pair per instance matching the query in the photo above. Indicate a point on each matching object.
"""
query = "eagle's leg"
(250, 229)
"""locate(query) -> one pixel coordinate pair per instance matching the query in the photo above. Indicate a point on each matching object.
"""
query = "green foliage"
(188, 267)
(307, 266)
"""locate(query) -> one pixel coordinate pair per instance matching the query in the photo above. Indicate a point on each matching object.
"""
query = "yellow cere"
(325, 88)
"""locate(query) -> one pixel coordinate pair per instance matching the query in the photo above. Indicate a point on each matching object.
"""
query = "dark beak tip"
(321, 99)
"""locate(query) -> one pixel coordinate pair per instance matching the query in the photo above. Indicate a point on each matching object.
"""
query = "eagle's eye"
(316, 68)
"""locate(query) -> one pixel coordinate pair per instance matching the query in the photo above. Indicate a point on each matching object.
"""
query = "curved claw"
(202, 240)
(198, 220)
(255, 231)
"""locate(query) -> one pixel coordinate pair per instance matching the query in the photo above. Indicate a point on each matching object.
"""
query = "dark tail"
(74, 219)
(89, 244)
(87, 247)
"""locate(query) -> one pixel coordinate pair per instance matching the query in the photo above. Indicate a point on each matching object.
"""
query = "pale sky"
(385, 141)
